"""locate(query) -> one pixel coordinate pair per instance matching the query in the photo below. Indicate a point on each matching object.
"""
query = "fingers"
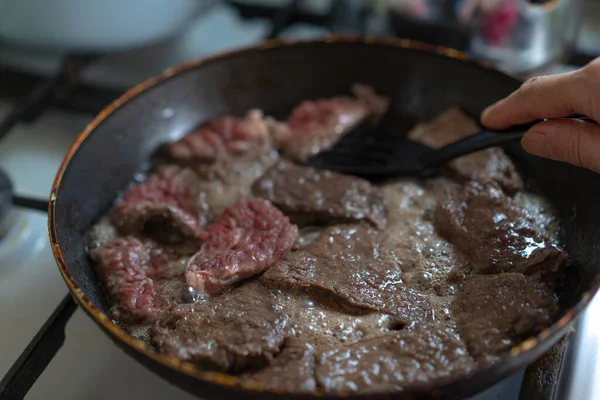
(556, 96)
(568, 140)
(543, 97)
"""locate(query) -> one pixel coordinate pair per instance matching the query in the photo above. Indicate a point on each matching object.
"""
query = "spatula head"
(372, 152)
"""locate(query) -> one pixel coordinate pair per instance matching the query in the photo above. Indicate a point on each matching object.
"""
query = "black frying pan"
(422, 80)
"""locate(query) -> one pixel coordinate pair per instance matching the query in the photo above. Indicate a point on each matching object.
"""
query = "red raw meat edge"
(246, 240)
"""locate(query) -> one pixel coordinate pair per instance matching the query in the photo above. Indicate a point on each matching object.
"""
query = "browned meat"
(480, 220)
(222, 138)
(292, 371)
(310, 196)
(495, 312)
(166, 201)
(343, 263)
(247, 239)
(486, 165)
(392, 362)
(314, 126)
(236, 330)
(384, 288)
(133, 272)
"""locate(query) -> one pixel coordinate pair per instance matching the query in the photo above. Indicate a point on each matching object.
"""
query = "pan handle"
(33, 204)
(38, 354)
(484, 139)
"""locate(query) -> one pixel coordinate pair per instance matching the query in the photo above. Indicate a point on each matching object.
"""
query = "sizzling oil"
(428, 263)
(411, 242)
(322, 326)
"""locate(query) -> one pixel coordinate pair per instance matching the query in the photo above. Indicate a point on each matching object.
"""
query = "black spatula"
(374, 152)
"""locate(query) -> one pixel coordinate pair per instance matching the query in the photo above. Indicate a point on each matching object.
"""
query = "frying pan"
(422, 80)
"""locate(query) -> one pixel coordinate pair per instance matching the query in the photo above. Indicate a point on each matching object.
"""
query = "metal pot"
(517, 36)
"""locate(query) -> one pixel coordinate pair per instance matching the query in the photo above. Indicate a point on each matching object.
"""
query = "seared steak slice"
(343, 263)
(237, 330)
(496, 312)
(314, 126)
(486, 165)
(311, 196)
(292, 371)
(134, 273)
(481, 221)
(229, 154)
(392, 362)
(166, 200)
(221, 138)
(247, 239)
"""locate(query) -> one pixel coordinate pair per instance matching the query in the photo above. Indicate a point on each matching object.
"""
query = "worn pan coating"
(421, 79)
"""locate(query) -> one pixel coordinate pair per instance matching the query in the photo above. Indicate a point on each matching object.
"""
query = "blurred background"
(111, 45)
(134, 39)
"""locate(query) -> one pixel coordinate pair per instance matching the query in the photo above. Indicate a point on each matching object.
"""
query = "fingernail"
(536, 143)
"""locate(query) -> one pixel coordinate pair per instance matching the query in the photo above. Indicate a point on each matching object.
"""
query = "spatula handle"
(480, 141)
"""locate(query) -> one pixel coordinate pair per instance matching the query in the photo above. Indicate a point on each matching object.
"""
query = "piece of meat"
(314, 126)
(496, 312)
(343, 263)
(124, 267)
(133, 272)
(392, 362)
(236, 330)
(486, 165)
(481, 221)
(220, 138)
(377, 105)
(310, 196)
(429, 264)
(166, 201)
(228, 154)
(226, 189)
(247, 239)
(102, 233)
(449, 126)
(292, 371)
(321, 322)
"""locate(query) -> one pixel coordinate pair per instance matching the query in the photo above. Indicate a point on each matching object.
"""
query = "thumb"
(568, 140)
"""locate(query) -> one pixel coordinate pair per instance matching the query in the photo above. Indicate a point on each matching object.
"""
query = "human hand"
(555, 96)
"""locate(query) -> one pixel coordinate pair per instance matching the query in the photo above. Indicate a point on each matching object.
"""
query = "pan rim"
(520, 352)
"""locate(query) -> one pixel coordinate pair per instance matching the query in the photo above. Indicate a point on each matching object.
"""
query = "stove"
(49, 348)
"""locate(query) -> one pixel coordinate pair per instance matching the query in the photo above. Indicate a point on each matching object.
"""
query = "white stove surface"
(89, 366)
